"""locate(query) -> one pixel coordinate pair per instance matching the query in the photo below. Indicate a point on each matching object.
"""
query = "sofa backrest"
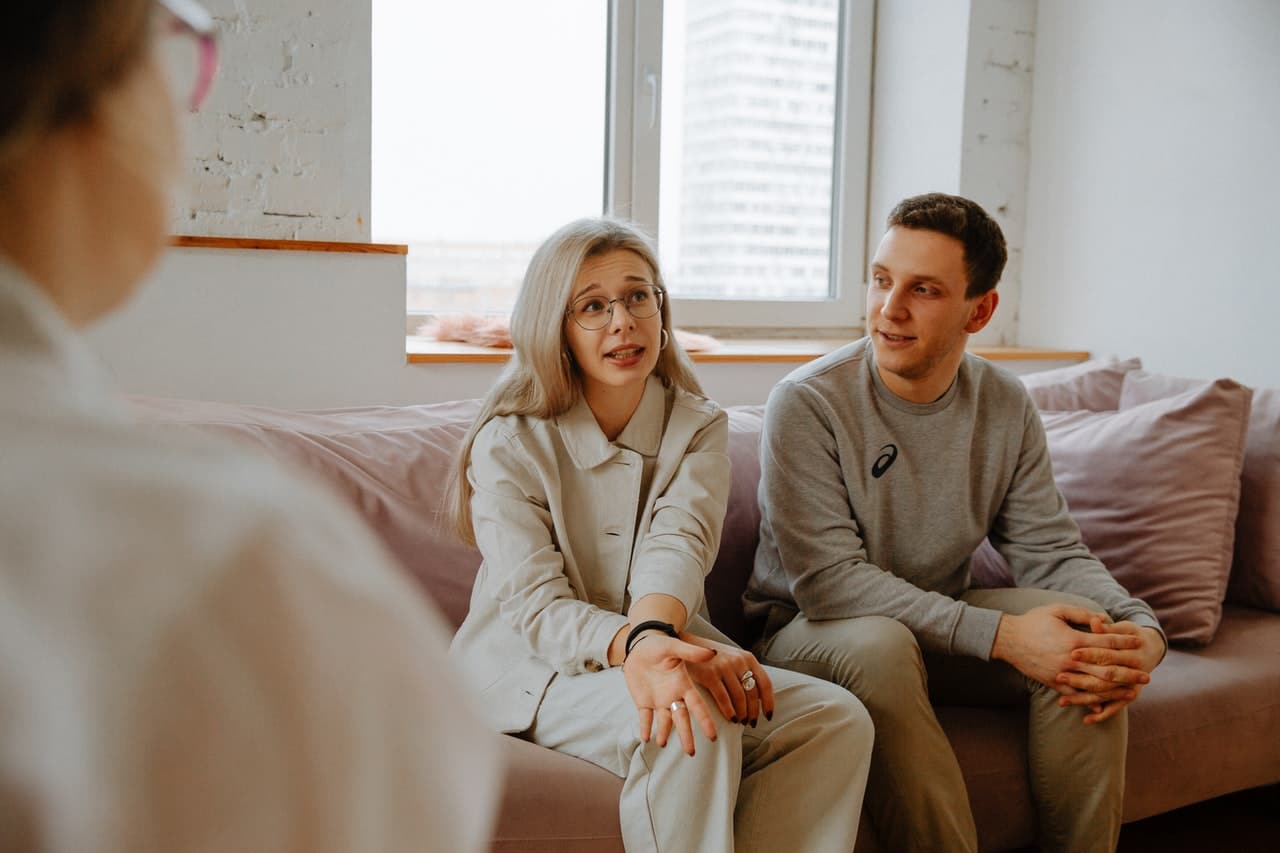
(741, 532)
(391, 464)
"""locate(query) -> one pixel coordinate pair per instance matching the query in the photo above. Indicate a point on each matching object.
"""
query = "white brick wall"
(281, 148)
(995, 149)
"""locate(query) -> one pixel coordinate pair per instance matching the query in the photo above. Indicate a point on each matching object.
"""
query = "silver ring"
(748, 680)
(677, 706)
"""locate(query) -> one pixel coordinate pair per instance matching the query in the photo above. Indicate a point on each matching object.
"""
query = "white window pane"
(488, 134)
(748, 132)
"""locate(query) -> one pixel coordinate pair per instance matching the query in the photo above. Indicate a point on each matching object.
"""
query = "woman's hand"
(658, 676)
(727, 677)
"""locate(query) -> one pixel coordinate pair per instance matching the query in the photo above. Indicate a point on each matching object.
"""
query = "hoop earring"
(665, 340)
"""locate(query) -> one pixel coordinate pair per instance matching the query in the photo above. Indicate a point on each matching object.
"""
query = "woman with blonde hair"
(198, 651)
(594, 482)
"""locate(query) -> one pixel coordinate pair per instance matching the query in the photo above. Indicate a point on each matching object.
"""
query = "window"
(733, 130)
(488, 134)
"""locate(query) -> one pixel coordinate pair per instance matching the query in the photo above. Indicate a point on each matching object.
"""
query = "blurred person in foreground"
(197, 651)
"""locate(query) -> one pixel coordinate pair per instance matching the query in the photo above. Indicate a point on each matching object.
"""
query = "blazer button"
(593, 665)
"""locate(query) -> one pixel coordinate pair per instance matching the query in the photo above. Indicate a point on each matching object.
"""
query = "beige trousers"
(916, 797)
(793, 783)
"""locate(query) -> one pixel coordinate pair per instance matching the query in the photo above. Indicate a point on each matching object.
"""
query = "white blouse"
(198, 651)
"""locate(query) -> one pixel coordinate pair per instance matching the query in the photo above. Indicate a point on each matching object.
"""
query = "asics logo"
(888, 453)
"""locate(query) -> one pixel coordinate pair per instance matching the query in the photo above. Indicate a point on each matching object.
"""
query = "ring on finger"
(748, 680)
(677, 706)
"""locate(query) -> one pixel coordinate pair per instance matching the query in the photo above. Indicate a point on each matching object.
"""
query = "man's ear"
(981, 312)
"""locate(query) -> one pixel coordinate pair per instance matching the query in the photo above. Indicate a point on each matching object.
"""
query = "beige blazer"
(574, 527)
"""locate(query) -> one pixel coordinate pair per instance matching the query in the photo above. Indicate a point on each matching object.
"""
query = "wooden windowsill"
(193, 242)
(420, 350)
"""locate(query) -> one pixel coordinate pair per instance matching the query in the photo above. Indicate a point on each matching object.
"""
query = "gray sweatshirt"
(871, 505)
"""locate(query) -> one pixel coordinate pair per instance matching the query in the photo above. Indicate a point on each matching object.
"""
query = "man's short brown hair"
(984, 248)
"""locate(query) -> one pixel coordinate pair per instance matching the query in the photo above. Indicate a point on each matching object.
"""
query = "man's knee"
(1021, 599)
(886, 650)
(869, 655)
(1078, 601)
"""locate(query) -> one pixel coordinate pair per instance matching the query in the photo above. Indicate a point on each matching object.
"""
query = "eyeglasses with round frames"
(593, 312)
(193, 74)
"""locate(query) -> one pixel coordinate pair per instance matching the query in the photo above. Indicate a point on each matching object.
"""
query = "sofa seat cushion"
(553, 802)
(1221, 704)
(991, 746)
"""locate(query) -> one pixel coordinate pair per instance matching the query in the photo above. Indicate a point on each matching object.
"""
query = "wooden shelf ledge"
(420, 350)
(192, 242)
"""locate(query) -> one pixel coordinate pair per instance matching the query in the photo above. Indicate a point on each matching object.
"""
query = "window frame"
(633, 116)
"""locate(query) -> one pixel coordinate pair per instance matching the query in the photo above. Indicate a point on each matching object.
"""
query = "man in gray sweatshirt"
(883, 466)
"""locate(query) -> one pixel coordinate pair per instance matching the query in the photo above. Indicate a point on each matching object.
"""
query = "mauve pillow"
(1093, 385)
(1255, 573)
(1154, 489)
(389, 462)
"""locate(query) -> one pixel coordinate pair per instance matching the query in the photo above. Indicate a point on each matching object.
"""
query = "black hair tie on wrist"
(648, 625)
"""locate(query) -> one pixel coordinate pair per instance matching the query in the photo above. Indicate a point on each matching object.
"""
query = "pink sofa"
(1206, 726)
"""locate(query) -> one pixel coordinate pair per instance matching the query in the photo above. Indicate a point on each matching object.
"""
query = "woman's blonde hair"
(541, 379)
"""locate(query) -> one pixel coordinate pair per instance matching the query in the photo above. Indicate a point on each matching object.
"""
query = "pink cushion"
(1093, 385)
(1154, 489)
(391, 463)
(1255, 574)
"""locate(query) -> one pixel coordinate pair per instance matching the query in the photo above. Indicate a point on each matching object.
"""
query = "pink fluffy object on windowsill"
(481, 331)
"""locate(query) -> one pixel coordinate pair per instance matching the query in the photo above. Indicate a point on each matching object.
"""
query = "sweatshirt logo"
(888, 453)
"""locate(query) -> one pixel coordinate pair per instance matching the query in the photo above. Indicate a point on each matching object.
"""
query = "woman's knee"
(827, 707)
(855, 725)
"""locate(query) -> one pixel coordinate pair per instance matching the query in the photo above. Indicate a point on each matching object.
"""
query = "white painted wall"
(1152, 201)
(918, 103)
(305, 330)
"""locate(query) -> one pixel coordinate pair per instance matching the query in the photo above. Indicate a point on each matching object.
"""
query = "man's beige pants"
(916, 796)
(793, 783)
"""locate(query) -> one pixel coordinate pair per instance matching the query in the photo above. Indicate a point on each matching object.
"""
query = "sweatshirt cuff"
(976, 632)
(1146, 620)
